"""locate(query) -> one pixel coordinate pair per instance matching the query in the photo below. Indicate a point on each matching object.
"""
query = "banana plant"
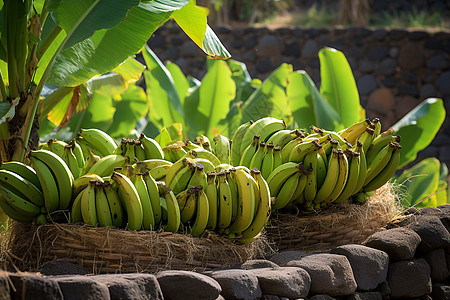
(51, 50)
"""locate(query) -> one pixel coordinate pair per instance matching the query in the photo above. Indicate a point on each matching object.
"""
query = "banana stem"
(44, 13)
(47, 42)
(3, 94)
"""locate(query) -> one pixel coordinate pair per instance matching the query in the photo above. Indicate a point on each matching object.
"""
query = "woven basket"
(110, 250)
(342, 224)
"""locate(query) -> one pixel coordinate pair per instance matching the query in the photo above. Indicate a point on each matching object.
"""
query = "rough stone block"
(32, 286)
(398, 243)
(432, 232)
(76, 287)
(409, 279)
(237, 284)
(289, 282)
(258, 263)
(369, 265)
(437, 261)
(185, 285)
(331, 274)
(134, 286)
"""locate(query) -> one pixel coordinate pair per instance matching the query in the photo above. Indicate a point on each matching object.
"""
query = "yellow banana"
(379, 162)
(201, 215)
(287, 191)
(280, 175)
(61, 172)
(234, 192)
(225, 202)
(148, 219)
(263, 209)
(187, 202)
(377, 128)
(102, 206)
(130, 200)
(88, 205)
(354, 165)
(173, 210)
(366, 138)
(213, 200)
(331, 178)
(342, 179)
(115, 206)
(352, 132)
(246, 202)
(384, 175)
(362, 167)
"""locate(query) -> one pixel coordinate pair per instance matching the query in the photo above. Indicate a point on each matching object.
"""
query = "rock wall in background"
(394, 69)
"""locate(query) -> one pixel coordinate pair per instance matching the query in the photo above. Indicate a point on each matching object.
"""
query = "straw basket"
(341, 224)
(110, 250)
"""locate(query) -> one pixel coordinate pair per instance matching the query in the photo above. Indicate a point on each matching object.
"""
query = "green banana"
(156, 162)
(151, 148)
(331, 178)
(57, 147)
(264, 127)
(377, 128)
(234, 192)
(15, 214)
(222, 148)
(175, 168)
(380, 142)
(115, 206)
(388, 171)
(102, 206)
(300, 151)
(78, 152)
(83, 181)
(202, 153)
(148, 219)
(280, 174)
(352, 132)
(105, 166)
(362, 168)
(263, 209)
(267, 161)
(286, 150)
(321, 167)
(246, 202)
(71, 161)
(88, 205)
(286, 193)
(20, 204)
(129, 198)
(85, 147)
(159, 173)
(187, 202)
(249, 152)
(23, 170)
(182, 178)
(277, 159)
(99, 139)
(130, 150)
(91, 159)
(22, 187)
(342, 179)
(209, 167)
(61, 172)
(201, 215)
(310, 162)
(198, 177)
(235, 148)
(173, 210)
(213, 199)
(153, 193)
(366, 138)
(379, 162)
(256, 161)
(282, 137)
(354, 165)
(225, 202)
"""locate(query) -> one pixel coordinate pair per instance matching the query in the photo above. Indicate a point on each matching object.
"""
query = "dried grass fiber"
(342, 224)
(111, 250)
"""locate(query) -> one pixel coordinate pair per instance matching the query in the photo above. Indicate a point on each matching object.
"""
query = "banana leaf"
(418, 128)
(180, 81)
(338, 86)
(307, 104)
(215, 94)
(270, 98)
(419, 183)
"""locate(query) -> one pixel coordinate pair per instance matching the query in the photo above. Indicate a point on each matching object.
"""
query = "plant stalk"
(47, 42)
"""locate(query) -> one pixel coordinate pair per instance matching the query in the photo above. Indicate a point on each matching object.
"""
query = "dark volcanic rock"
(31, 286)
(237, 284)
(258, 263)
(439, 270)
(82, 287)
(398, 243)
(330, 274)
(185, 285)
(289, 282)
(409, 279)
(432, 232)
(369, 265)
(132, 286)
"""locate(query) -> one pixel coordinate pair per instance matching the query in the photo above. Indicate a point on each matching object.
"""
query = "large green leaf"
(419, 127)
(96, 14)
(216, 92)
(131, 107)
(99, 113)
(164, 101)
(419, 182)
(270, 98)
(338, 86)
(307, 104)
(107, 48)
(194, 120)
(192, 19)
(180, 81)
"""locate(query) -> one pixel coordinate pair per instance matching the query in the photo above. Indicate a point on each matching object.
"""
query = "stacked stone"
(394, 69)
(409, 260)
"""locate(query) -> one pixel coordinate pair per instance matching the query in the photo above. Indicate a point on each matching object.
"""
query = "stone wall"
(408, 260)
(395, 69)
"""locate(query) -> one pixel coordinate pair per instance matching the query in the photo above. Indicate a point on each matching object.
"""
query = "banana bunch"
(325, 167)
(199, 150)
(21, 196)
(96, 140)
(141, 149)
(235, 203)
(71, 153)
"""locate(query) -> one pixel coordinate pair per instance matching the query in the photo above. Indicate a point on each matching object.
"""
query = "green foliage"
(424, 184)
